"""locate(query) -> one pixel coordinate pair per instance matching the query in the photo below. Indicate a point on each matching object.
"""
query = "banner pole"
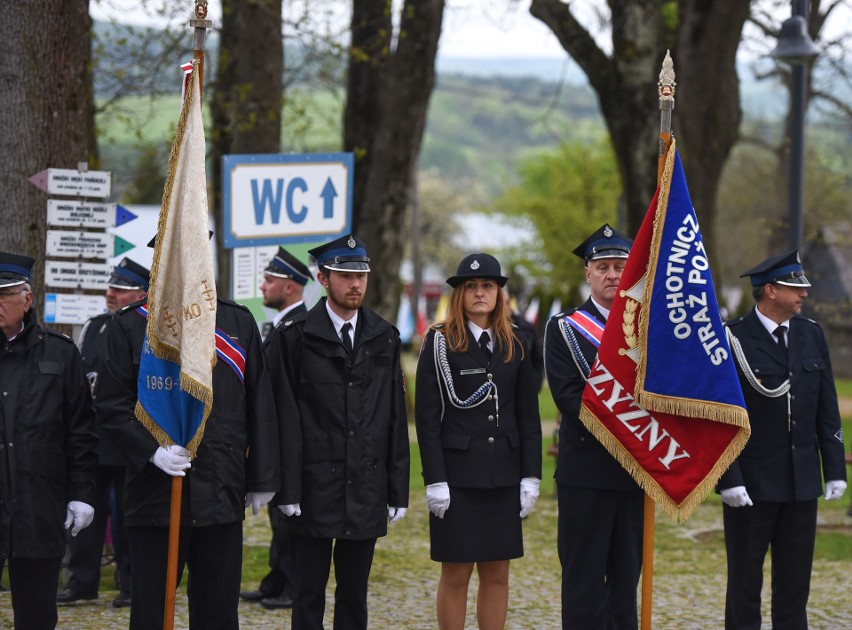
(200, 25)
(666, 90)
(174, 541)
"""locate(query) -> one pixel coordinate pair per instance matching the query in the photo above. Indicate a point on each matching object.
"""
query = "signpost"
(274, 199)
(86, 214)
(85, 244)
(72, 182)
(76, 275)
(72, 308)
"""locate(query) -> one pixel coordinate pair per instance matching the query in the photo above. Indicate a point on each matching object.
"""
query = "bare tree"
(390, 82)
(46, 113)
(247, 95)
(703, 37)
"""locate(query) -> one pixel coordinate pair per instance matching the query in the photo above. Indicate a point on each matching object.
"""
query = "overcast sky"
(471, 28)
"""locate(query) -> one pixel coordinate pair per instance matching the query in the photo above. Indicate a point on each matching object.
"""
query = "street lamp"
(796, 48)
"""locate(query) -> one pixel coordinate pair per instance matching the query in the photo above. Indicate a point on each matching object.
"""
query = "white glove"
(736, 496)
(396, 514)
(834, 489)
(291, 509)
(438, 498)
(79, 515)
(257, 500)
(529, 494)
(171, 459)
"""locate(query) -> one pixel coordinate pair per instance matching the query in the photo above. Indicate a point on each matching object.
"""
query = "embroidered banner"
(663, 394)
(180, 342)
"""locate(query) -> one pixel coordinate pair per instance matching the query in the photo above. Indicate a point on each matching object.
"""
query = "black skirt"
(481, 525)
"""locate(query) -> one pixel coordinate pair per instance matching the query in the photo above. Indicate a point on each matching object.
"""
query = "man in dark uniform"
(600, 506)
(770, 492)
(237, 464)
(284, 281)
(47, 448)
(340, 398)
(128, 283)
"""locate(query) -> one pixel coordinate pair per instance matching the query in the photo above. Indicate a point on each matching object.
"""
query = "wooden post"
(666, 90)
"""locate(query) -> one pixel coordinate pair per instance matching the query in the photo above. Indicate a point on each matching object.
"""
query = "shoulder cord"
(574, 346)
(749, 374)
(442, 368)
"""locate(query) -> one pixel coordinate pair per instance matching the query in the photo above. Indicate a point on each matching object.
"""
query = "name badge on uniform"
(476, 371)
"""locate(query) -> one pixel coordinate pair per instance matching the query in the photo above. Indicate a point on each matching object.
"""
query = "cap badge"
(474, 265)
(607, 232)
(351, 242)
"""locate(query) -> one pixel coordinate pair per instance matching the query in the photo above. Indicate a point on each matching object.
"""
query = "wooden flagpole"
(200, 25)
(666, 90)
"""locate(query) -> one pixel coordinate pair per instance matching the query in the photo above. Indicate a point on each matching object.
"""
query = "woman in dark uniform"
(479, 433)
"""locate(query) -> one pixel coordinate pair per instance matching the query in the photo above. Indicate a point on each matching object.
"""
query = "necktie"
(779, 334)
(345, 338)
(483, 344)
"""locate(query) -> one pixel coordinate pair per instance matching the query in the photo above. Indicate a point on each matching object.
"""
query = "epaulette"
(439, 326)
(298, 317)
(807, 319)
(562, 314)
(132, 305)
(56, 333)
(232, 303)
(734, 322)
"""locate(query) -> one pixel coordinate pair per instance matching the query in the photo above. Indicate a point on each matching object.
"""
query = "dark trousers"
(86, 549)
(213, 555)
(789, 530)
(600, 548)
(281, 578)
(353, 560)
(33, 582)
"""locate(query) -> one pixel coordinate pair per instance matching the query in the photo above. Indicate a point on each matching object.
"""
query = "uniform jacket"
(296, 310)
(47, 453)
(475, 447)
(92, 350)
(780, 463)
(344, 425)
(239, 451)
(582, 461)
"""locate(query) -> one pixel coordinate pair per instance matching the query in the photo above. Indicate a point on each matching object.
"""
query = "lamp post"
(797, 50)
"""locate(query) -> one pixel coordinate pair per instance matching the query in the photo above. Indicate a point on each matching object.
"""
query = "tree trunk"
(247, 96)
(46, 114)
(703, 37)
(384, 120)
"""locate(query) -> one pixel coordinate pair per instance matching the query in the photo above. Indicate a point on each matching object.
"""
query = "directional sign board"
(273, 199)
(85, 244)
(86, 214)
(72, 308)
(71, 182)
(76, 275)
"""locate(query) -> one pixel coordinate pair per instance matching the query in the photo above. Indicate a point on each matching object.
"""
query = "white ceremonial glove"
(529, 494)
(79, 515)
(396, 514)
(736, 496)
(834, 489)
(257, 500)
(438, 498)
(171, 459)
(291, 509)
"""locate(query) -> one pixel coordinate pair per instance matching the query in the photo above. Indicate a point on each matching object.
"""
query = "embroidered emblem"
(607, 231)
(474, 265)
(351, 242)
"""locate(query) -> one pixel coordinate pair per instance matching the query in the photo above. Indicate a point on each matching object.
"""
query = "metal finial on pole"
(666, 89)
(200, 23)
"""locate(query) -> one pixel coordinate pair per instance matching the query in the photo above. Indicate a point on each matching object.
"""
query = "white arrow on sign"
(85, 244)
(270, 199)
(86, 214)
(69, 181)
(76, 275)
(72, 308)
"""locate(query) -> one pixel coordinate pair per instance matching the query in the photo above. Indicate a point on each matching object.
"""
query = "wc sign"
(275, 199)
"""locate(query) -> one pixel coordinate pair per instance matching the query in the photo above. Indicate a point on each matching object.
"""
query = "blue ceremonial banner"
(176, 369)
(663, 395)
(686, 364)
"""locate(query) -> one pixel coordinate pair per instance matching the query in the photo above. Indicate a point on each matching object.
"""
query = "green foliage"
(565, 194)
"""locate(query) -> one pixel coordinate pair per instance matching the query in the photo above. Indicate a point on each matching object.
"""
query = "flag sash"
(586, 325)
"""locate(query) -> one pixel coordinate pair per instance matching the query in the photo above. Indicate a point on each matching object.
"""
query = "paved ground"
(689, 579)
